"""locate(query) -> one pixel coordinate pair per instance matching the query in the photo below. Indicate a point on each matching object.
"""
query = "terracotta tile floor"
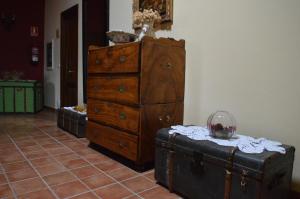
(40, 161)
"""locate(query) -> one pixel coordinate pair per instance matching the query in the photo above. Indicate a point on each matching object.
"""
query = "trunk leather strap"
(228, 180)
(171, 171)
(171, 161)
(63, 117)
(228, 175)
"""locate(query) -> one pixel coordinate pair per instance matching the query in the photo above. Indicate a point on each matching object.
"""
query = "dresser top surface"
(160, 41)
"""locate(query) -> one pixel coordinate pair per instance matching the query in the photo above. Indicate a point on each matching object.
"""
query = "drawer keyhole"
(96, 88)
(122, 58)
(167, 65)
(97, 61)
(96, 110)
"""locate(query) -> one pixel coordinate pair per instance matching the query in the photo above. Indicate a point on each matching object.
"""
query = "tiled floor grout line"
(139, 175)
(13, 163)
(49, 188)
(103, 172)
(117, 181)
(136, 176)
(66, 169)
(82, 194)
(48, 174)
(155, 186)
(77, 178)
(55, 137)
(5, 173)
(69, 170)
(23, 179)
(107, 185)
(149, 178)
(63, 182)
(10, 186)
(147, 172)
(113, 170)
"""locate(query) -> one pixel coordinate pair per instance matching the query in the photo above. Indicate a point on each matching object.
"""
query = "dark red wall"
(16, 43)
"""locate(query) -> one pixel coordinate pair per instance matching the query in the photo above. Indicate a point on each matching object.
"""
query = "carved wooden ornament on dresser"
(134, 90)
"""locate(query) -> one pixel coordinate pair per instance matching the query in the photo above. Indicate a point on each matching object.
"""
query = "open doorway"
(69, 57)
(95, 25)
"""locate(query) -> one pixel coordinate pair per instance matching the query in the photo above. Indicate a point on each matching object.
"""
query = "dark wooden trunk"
(72, 122)
(203, 169)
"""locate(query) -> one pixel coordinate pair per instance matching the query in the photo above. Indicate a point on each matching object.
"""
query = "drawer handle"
(96, 88)
(122, 145)
(122, 58)
(97, 61)
(121, 89)
(122, 116)
(96, 110)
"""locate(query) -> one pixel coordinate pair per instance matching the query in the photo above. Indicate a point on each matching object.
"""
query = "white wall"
(53, 9)
(242, 56)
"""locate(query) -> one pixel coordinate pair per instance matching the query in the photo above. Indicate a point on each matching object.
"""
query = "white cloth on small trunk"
(244, 143)
(71, 108)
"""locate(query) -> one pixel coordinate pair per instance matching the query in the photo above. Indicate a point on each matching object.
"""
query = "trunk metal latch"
(244, 181)
(197, 164)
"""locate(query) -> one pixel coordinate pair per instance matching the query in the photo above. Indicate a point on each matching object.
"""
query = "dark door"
(95, 25)
(69, 57)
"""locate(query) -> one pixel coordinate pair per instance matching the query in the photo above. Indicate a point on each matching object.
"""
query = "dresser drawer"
(122, 89)
(121, 116)
(114, 59)
(117, 141)
(163, 73)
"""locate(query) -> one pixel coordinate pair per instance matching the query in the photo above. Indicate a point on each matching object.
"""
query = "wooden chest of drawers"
(133, 90)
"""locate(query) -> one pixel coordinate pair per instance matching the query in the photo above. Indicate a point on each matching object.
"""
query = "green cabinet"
(21, 96)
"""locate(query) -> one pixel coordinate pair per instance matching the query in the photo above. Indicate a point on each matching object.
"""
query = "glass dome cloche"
(221, 124)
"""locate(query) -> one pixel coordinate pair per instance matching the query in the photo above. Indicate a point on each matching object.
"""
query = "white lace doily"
(244, 143)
